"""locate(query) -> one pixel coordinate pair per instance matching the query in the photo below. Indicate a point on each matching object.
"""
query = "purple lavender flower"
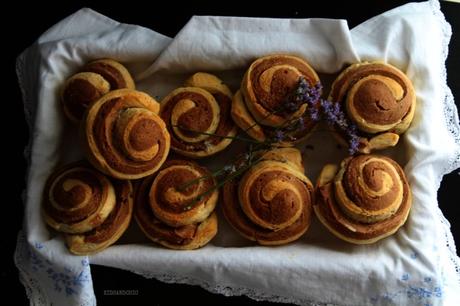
(335, 116)
(314, 114)
(279, 136)
(304, 93)
(330, 112)
(317, 109)
(353, 144)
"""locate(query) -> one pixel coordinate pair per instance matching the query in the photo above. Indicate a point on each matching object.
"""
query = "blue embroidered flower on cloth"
(66, 280)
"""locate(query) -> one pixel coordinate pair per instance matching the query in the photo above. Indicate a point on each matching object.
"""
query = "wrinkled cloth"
(416, 266)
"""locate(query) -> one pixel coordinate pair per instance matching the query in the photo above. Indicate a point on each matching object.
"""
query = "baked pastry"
(123, 136)
(115, 73)
(202, 106)
(111, 229)
(175, 218)
(79, 91)
(77, 199)
(379, 99)
(177, 207)
(93, 210)
(272, 202)
(367, 199)
(259, 106)
(93, 81)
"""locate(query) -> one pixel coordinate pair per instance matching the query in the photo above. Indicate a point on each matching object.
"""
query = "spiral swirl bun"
(77, 199)
(111, 229)
(272, 202)
(177, 207)
(368, 199)
(123, 135)
(115, 73)
(92, 210)
(93, 81)
(204, 107)
(265, 88)
(378, 97)
(173, 217)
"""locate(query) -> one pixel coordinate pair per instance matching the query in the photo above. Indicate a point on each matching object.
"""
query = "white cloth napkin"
(416, 266)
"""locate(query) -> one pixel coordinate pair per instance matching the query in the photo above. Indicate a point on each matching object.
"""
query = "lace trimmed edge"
(228, 290)
(452, 125)
(33, 289)
(37, 297)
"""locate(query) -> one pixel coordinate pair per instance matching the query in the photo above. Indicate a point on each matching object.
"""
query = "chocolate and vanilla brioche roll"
(175, 208)
(77, 198)
(198, 116)
(111, 229)
(379, 99)
(93, 210)
(115, 73)
(268, 85)
(367, 199)
(182, 193)
(93, 81)
(272, 202)
(123, 135)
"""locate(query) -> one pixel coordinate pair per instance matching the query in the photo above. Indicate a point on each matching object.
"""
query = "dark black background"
(30, 21)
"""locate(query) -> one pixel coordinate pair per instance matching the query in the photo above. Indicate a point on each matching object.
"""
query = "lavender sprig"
(317, 109)
(231, 171)
(216, 135)
(331, 112)
(335, 116)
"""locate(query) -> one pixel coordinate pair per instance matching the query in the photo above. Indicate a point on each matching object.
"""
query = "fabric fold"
(414, 266)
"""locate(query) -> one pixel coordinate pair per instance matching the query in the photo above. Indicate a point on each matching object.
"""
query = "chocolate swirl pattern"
(123, 135)
(379, 99)
(93, 81)
(204, 107)
(172, 217)
(77, 199)
(366, 200)
(258, 107)
(79, 91)
(177, 207)
(92, 210)
(272, 202)
(111, 229)
(115, 73)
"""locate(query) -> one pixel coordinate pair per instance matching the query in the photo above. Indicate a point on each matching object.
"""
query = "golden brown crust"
(265, 88)
(271, 204)
(203, 106)
(111, 229)
(79, 91)
(178, 206)
(123, 136)
(77, 198)
(94, 80)
(269, 81)
(114, 72)
(184, 237)
(368, 199)
(243, 118)
(379, 98)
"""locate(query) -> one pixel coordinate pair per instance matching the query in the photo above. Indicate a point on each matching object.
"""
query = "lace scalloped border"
(452, 124)
(37, 297)
(229, 290)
